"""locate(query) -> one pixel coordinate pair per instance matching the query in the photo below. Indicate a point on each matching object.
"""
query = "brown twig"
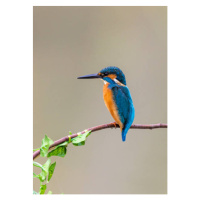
(97, 128)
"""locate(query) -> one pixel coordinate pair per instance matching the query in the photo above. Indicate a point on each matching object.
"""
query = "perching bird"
(116, 97)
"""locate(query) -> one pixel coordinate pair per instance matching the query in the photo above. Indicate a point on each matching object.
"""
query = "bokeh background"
(72, 41)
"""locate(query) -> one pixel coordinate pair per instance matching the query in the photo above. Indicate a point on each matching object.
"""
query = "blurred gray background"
(72, 41)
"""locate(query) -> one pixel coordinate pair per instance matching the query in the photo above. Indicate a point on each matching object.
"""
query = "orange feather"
(110, 104)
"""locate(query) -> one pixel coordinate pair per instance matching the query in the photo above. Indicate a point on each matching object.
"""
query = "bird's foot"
(115, 124)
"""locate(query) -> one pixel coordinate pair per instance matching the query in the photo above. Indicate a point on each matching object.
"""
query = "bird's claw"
(115, 124)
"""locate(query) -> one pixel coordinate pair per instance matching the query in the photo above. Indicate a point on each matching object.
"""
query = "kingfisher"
(116, 96)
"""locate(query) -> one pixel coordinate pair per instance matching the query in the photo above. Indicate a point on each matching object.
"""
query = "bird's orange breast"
(110, 104)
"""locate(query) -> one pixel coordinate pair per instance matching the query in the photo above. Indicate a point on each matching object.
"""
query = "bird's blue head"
(111, 72)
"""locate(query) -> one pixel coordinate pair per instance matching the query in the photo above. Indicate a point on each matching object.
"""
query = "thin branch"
(97, 128)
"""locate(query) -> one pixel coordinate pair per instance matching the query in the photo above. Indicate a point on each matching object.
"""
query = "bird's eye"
(106, 73)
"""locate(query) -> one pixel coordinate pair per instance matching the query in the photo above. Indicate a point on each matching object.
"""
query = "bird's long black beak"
(89, 76)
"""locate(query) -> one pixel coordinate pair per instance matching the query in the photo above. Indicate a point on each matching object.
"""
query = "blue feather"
(125, 107)
(124, 103)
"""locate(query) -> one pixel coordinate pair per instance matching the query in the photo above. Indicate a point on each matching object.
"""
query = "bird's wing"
(124, 103)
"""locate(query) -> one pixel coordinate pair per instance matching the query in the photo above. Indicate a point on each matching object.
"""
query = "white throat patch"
(105, 82)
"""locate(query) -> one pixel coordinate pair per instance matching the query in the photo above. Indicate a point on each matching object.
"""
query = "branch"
(97, 128)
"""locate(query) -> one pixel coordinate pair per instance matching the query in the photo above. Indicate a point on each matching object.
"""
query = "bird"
(116, 96)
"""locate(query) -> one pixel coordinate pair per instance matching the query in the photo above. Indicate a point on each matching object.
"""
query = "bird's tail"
(124, 132)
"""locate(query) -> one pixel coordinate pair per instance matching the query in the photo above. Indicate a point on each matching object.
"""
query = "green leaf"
(49, 192)
(45, 167)
(78, 143)
(35, 175)
(36, 149)
(41, 177)
(45, 170)
(36, 164)
(70, 132)
(42, 189)
(63, 144)
(51, 170)
(60, 150)
(34, 192)
(46, 142)
(80, 139)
